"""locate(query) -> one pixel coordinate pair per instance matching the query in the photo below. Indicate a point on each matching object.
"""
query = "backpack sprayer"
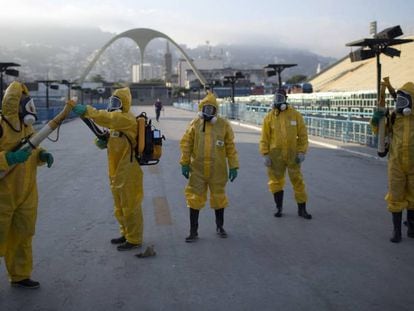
(148, 148)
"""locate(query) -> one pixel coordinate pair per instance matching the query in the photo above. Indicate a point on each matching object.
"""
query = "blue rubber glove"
(377, 116)
(185, 170)
(46, 157)
(19, 156)
(300, 157)
(232, 174)
(101, 143)
(79, 109)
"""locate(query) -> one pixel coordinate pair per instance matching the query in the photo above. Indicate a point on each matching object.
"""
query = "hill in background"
(63, 53)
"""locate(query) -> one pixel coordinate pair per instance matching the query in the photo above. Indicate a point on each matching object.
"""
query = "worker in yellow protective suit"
(206, 147)
(18, 189)
(125, 174)
(283, 145)
(400, 130)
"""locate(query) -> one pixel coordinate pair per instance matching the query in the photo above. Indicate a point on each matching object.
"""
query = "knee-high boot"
(396, 234)
(219, 222)
(193, 226)
(302, 211)
(278, 196)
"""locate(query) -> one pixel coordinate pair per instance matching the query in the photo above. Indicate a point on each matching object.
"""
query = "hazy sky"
(319, 25)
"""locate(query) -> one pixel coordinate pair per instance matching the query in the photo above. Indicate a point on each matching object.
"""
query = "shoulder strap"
(1, 128)
(130, 144)
(393, 116)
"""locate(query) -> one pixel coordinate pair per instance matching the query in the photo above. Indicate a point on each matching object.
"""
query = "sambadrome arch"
(141, 36)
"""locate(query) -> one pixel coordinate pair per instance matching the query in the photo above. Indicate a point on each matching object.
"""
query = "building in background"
(149, 72)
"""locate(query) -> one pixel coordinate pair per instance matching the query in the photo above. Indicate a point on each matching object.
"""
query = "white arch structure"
(142, 36)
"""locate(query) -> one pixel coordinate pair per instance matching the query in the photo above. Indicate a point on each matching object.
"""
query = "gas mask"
(279, 102)
(27, 110)
(208, 113)
(114, 104)
(403, 103)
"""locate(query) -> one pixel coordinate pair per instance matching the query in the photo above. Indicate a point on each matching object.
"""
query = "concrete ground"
(340, 260)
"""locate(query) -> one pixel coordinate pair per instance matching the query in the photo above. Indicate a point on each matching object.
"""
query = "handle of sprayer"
(381, 147)
(103, 135)
(390, 87)
(34, 140)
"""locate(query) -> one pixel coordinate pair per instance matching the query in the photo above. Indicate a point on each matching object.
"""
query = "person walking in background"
(206, 147)
(283, 145)
(18, 189)
(158, 108)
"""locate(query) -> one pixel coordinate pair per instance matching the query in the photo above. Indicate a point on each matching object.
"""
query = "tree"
(296, 79)
(98, 78)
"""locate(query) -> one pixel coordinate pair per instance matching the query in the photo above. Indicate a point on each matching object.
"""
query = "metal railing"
(342, 126)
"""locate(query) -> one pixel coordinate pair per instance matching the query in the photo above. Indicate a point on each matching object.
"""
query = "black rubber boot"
(26, 283)
(219, 222)
(193, 226)
(302, 211)
(126, 246)
(278, 196)
(396, 234)
(410, 223)
(119, 240)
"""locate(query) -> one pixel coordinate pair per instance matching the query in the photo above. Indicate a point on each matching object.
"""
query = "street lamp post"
(374, 47)
(48, 83)
(69, 84)
(4, 68)
(276, 69)
(232, 80)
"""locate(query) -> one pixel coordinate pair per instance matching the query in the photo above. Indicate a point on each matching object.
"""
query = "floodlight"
(270, 73)
(391, 52)
(389, 33)
(239, 75)
(12, 72)
(361, 54)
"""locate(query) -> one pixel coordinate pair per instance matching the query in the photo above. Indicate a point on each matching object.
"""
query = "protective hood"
(210, 99)
(404, 100)
(11, 99)
(125, 95)
(408, 88)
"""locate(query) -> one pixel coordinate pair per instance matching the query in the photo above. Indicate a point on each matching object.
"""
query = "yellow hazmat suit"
(125, 174)
(207, 154)
(284, 135)
(18, 190)
(401, 161)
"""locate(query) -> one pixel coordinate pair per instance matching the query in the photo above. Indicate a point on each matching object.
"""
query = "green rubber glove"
(79, 109)
(232, 174)
(376, 117)
(19, 156)
(46, 157)
(185, 170)
(101, 143)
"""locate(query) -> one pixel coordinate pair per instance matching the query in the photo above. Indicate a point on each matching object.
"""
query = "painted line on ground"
(330, 146)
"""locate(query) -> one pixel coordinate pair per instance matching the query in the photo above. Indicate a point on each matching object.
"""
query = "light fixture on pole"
(48, 83)
(374, 47)
(380, 43)
(276, 69)
(232, 80)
